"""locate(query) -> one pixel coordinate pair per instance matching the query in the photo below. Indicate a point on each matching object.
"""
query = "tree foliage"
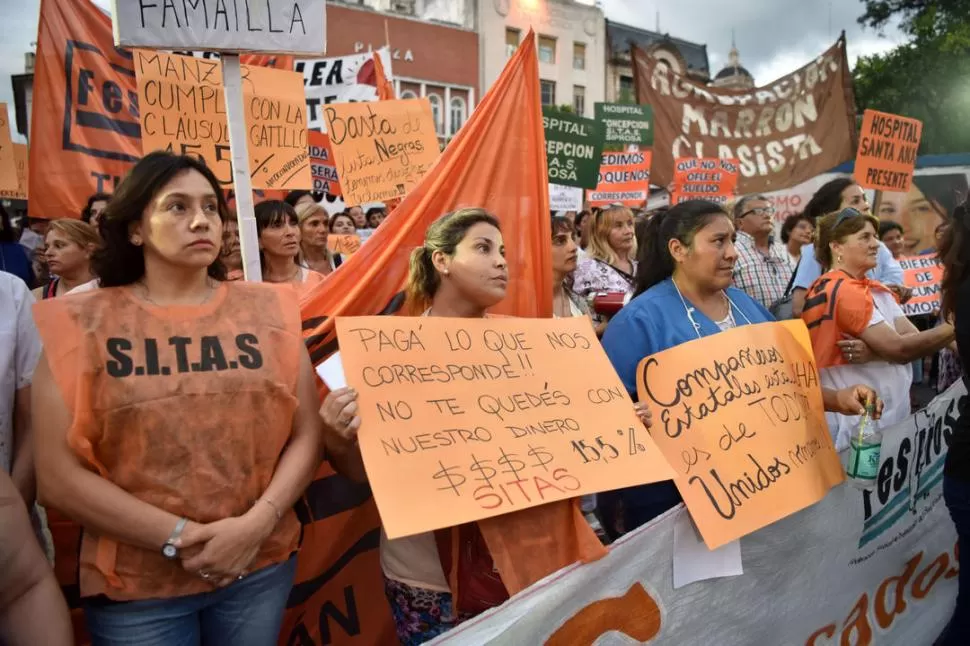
(927, 78)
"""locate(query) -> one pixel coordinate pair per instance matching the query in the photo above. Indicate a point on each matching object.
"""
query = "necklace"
(210, 288)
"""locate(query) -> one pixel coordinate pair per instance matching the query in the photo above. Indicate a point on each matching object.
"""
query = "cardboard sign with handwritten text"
(711, 179)
(8, 158)
(464, 419)
(382, 149)
(346, 244)
(20, 159)
(183, 110)
(322, 167)
(739, 416)
(888, 145)
(924, 274)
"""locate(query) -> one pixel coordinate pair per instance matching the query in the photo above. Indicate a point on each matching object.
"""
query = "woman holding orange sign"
(683, 293)
(460, 271)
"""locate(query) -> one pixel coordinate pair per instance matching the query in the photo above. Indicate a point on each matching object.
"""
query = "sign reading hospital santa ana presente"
(573, 147)
(272, 26)
(464, 419)
(739, 415)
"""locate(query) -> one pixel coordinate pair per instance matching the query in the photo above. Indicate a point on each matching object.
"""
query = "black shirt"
(958, 457)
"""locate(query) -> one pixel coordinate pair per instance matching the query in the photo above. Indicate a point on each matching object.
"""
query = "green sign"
(573, 148)
(626, 123)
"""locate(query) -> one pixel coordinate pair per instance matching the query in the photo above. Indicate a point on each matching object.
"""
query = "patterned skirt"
(420, 614)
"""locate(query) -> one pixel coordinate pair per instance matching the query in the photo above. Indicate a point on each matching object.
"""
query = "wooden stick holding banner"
(242, 184)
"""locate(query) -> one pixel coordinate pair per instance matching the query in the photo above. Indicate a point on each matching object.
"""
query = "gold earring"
(136, 241)
(445, 272)
(840, 259)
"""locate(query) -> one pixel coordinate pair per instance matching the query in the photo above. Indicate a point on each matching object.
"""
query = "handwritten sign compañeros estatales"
(739, 415)
(382, 149)
(183, 110)
(463, 419)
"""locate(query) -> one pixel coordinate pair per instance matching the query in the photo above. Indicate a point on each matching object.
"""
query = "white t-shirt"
(19, 350)
(891, 381)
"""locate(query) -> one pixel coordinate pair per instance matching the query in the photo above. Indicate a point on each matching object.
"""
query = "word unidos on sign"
(463, 419)
(279, 26)
(382, 149)
(887, 151)
(740, 416)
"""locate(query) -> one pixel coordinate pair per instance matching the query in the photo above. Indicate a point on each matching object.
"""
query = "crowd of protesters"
(184, 484)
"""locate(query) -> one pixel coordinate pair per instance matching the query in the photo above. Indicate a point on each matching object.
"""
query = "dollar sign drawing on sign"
(542, 456)
(483, 467)
(453, 476)
(512, 462)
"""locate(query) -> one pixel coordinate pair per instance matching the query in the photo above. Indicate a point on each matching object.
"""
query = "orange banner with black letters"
(331, 578)
(84, 130)
(739, 416)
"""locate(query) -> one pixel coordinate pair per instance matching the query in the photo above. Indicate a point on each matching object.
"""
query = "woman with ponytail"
(683, 293)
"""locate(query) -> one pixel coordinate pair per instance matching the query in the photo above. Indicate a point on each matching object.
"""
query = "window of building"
(437, 114)
(626, 85)
(459, 113)
(408, 94)
(579, 56)
(547, 92)
(547, 49)
(511, 41)
(579, 99)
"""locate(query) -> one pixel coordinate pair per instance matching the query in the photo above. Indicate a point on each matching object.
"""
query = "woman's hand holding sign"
(341, 421)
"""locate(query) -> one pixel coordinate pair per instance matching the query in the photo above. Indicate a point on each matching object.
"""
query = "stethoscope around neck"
(732, 307)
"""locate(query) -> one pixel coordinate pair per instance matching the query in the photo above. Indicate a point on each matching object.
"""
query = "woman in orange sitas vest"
(176, 422)
(859, 332)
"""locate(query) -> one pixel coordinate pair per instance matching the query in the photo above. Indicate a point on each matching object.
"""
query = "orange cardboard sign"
(464, 419)
(924, 274)
(711, 179)
(739, 415)
(183, 110)
(323, 170)
(383, 148)
(624, 179)
(20, 161)
(8, 158)
(346, 244)
(888, 144)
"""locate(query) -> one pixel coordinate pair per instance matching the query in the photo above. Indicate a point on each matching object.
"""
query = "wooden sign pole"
(242, 184)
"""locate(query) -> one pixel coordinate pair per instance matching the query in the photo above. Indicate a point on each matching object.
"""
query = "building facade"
(683, 57)
(571, 43)
(434, 50)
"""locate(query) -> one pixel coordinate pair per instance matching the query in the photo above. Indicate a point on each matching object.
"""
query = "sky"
(774, 37)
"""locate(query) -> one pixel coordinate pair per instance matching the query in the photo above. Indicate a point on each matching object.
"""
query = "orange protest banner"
(624, 178)
(463, 419)
(183, 110)
(924, 274)
(20, 170)
(888, 144)
(739, 415)
(346, 244)
(8, 158)
(382, 149)
(712, 179)
(322, 167)
(85, 130)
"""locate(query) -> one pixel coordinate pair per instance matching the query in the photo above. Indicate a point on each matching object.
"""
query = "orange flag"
(85, 131)
(385, 87)
(498, 162)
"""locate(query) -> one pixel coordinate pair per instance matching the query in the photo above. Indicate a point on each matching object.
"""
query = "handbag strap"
(627, 277)
(791, 281)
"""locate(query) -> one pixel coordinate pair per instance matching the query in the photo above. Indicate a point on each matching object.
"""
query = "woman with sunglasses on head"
(176, 422)
(278, 229)
(684, 293)
(844, 303)
(835, 195)
(610, 263)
